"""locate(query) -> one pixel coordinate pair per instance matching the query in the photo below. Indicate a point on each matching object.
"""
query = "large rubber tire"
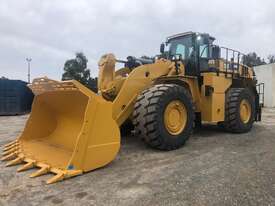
(233, 122)
(148, 116)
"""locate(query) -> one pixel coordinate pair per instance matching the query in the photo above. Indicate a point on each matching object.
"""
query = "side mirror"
(162, 46)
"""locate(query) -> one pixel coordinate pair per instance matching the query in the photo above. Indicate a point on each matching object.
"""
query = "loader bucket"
(70, 131)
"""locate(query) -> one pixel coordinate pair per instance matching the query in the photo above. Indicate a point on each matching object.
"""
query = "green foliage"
(271, 59)
(77, 69)
(252, 59)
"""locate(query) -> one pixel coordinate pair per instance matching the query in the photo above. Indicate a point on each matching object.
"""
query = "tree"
(271, 59)
(93, 84)
(77, 69)
(252, 59)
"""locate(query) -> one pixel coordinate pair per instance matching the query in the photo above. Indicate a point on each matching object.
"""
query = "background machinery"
(72, 130)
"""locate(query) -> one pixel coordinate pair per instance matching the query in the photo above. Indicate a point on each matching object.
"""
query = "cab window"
(204, 51)
(180, 50)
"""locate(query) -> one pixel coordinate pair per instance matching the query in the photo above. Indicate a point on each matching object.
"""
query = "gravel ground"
(213, 168)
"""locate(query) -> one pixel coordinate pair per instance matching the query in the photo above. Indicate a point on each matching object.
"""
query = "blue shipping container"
(15, 97)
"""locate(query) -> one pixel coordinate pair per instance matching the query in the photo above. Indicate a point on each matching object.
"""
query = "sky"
(52, 31)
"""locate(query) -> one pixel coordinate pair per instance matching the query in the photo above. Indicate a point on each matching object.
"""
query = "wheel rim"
(175, 117)
(245, 111)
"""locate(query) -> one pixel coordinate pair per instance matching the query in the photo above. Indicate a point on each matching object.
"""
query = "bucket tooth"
(41, 171)
(58, 177)
(16, 161)
(9, 156)
(11, 143)
(14, 149)
(11, 147)
(28, 165)
(72, 173)
(62, 174)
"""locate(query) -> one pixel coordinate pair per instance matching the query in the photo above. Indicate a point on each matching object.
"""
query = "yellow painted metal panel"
(213, 106)
(70, 130)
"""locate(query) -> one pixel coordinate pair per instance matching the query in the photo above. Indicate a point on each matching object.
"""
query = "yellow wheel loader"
(72, 130)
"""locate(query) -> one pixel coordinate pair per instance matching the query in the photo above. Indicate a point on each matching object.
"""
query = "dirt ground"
(213, 168)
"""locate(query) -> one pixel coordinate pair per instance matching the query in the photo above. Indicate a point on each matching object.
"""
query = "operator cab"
(193, 49)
